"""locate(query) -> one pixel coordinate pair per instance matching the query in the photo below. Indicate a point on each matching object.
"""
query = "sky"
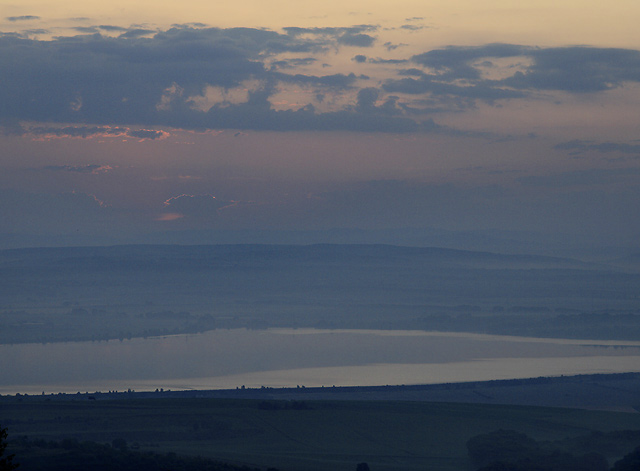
(180, 121)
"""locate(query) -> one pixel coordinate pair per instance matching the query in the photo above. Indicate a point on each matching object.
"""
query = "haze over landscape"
(278, 219)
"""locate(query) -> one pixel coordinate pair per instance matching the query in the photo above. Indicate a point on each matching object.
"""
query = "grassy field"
(303, 435)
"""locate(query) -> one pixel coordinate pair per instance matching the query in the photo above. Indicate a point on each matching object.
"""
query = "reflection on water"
(289, 357)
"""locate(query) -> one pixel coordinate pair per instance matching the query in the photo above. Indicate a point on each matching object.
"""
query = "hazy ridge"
(52, 294)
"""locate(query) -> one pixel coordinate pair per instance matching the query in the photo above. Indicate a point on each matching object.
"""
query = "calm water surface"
(310, 357)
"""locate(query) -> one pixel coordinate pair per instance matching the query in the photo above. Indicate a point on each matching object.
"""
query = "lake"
(222, 359)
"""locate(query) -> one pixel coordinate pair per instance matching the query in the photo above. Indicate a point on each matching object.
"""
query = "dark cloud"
(136, 33)
(36, 31)
(457, 61)
(293, 63)
(76, 131)
(331, 31)
(257, 115)
(413, 72)
(412, 27)
(359, 58)
(136, 80)
(335, 80)
(572, 69)
(578, 69)
(147, 134)
(23, 18)
(455, 72)
(388, 61)
(390, 46)
(426, 84)
(358, 40)
(122, 79)
(86, 29)
(348, 36)
(111, 28)
(12, 35)
(189, 25)
(367, 98)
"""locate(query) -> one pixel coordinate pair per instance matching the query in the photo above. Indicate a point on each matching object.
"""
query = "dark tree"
(119, 444)
(630, 462)
(362, 467)
(6, 462)
(506, 446)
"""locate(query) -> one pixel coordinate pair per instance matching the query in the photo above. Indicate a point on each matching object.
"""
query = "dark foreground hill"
(307, 434)
(610, 392)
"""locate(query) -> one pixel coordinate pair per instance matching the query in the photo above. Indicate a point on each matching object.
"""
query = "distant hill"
(209, 255)
(72, 293)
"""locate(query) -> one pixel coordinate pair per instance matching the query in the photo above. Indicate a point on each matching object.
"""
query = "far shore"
(613, 392)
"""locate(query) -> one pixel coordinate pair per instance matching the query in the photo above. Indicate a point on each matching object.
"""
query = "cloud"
(358, 40)
(87, 132)
(84, 199)
(136, 79)
(144, 78)
(76, 131)
(144, 134)
(413, 27)
(580, 147)
(121, 79)
(136, 33)
(292, 63)
(387, 61)
(257, 115)
(346, 36)
(458, 61)
(161, 79)
(93, 169)
(576, 69)
(331, 31)
(169, 217)
(460, 72)
(412, 72)
(390, 46)
(334, 80)
(427, 84)
(86, 29)
(585, 178)
(112, 28)
(194, 206)
(367, 98)
(36, 31)
(22, 18)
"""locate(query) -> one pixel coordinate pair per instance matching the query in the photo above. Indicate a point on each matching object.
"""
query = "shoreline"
(601, 391)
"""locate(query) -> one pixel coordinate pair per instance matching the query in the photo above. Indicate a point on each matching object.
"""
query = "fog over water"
(232, 358)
